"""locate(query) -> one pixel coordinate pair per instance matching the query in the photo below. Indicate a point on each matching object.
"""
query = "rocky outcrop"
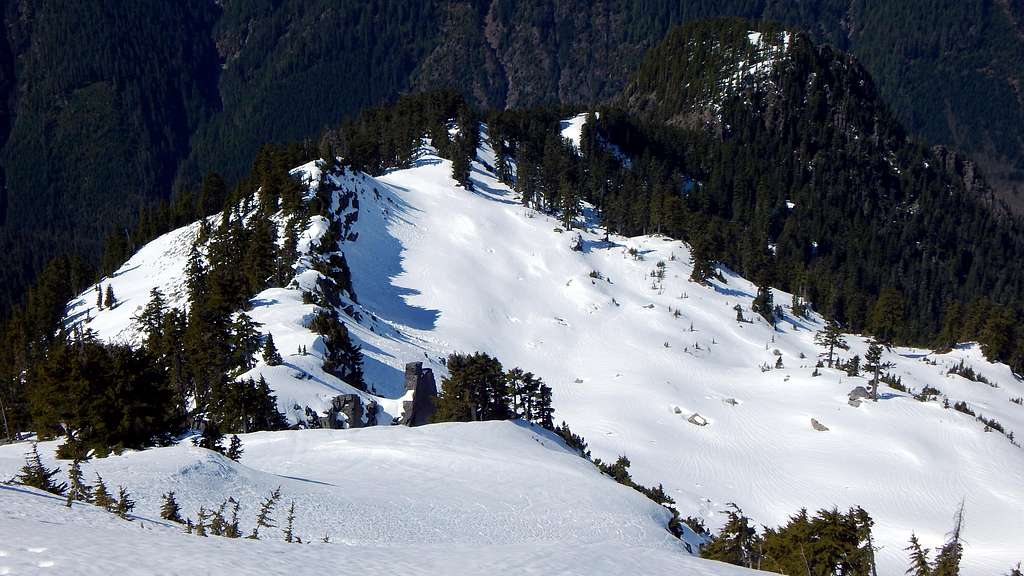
(418, 409)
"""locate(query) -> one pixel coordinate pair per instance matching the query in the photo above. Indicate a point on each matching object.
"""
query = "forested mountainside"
(106, 106)
(794, 171)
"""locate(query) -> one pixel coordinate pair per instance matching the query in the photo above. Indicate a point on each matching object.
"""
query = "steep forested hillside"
(106, 105)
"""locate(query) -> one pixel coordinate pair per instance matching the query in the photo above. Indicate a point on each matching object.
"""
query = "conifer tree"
(99, 297)
(101, 496)
(270, 354)
(764, 304)
(289, 534)
(151, 319)
(124, 503)
(263, 517)
(218, 523)
(874, 364)
(169, 509)
(568, 200)
(947, 561)
(736, 543)
(77, 488)
(919, 565)
(234, 448)
(110, 301)
(831, 337)
(232, 529)
(201, 518)
(245, 341)
(211, 438)
(35, 475)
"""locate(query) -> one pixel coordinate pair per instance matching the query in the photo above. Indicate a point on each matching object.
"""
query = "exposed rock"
(418, 410)
(818, 426)
(731, 402)
(577, 243)
(677, 409)
(853, 402)
(859, 393)
(697, 419)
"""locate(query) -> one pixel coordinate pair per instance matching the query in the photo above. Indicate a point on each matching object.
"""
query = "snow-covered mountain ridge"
(633, 350)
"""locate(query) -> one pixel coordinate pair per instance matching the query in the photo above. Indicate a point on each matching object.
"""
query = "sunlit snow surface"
(439, 269)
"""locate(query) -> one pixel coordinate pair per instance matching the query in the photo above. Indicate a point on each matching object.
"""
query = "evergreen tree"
(124, 503)
(151, 320)
(235, 448)
(874, 364)
(35, 475)
(568, 200)
(110, 301)
(201, 519)
(888, 314)
(211, 438)
(289, 534)
(831, 337)
(736, 543)
(99, 297)
(919, 565)
(263, 517)
(77, 488)
(101, 496)
(169, 509)
(270, 354)
(764, 304)
(245, 341)
(218, 523)
(260, 261)
(947, 561)
(475, 389)
(232, 529)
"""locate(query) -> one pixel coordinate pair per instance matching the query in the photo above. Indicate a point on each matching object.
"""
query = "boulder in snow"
(697, 419)
(859, 393)
(577, 242)
(818, 425)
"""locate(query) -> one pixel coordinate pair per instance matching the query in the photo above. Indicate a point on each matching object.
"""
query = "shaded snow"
(483, 498)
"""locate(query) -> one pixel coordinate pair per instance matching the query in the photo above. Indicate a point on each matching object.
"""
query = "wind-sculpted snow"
(633, 350)
(482, 498)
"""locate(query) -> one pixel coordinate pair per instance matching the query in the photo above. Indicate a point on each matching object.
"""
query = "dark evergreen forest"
(109, 108)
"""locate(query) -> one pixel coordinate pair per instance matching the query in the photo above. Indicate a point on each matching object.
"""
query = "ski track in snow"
(443, 269)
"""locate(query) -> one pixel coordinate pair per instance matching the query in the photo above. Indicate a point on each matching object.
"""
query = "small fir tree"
(919, 565)
(35, 475)
(110, 301)
(77, 488)
(831, 338)
(947, 561)
(270, 354)
(169, 509)
(235, 448)
(232, 530)
(218, 523)
(263, 517)
(289, 533)
(201, 518)
(101, 496)
(124, 503)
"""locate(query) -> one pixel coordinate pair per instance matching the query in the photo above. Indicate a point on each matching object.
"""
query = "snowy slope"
(439, 269)
(484, 498)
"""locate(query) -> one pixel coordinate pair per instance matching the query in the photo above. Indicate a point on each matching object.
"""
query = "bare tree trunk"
(3, 413)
